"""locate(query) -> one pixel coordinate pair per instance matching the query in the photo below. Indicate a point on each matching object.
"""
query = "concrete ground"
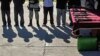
(43, 41)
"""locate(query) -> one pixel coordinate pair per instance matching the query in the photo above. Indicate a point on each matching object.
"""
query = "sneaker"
(58, 25)
(16, 25)
(22, 25)
(30, 25)
(4, 25)
(52, 25)
(44, 25)
(70, 24)
(63, 25)
(9, 25)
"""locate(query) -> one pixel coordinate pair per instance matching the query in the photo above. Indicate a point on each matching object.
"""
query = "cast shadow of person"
(67, 30)
(24, 33)
(59, 34)
(43, 35)
(90, 53)
(9, 34)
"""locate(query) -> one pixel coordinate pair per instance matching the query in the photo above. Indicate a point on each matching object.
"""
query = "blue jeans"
(19, 11)
(31, 14)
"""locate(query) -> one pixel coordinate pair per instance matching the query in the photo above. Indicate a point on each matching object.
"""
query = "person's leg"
(51, 15)
(16, 16)
(45, 15)
(9, 19)
(71, 24)
(21, 13)
(37, 17)
(63, 17)
(30, 16)
(3, 17)
(70, 4)
(58, 17)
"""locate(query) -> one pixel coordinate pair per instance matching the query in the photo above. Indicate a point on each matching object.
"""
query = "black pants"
(46, 10)
(4, 13)
(19, 11)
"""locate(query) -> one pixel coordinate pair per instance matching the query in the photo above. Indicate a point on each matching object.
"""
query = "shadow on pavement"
(90, 53)
(9, 34)
(60, 34)
(67, 30)
(42, 34)
(24, 33)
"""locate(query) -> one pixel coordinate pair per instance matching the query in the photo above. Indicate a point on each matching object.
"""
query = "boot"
(30, 24)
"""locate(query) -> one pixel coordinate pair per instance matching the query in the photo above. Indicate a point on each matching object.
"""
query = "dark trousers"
(19, 11)
(4, 13)
(46, 10)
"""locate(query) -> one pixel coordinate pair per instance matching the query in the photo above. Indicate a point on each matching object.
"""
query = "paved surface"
(43, 41)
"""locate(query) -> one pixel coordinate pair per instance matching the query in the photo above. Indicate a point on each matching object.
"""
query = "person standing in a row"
(5, 10)
(48, 7)
(33, 5)
(18, 9)
(61, 12)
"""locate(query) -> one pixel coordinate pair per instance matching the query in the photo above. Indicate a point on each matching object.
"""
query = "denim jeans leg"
(58, 17)
(37, 17)
(63, 16)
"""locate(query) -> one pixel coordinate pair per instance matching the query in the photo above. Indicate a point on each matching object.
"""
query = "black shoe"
(44, 25)
(58, 25)
(70, 24)
(52, 25)
(16, 25)
(30, 25)
(63, 25)
(4, 25)
(9, 25)
(38, 25)
(22, 25)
